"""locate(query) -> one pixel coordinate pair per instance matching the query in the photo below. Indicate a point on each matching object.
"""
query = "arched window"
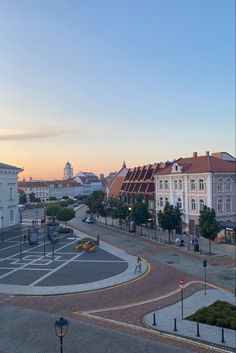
(166, 200)
(201, 184)
(179, 202)
(201, 205)
(228, 205)
(161, 202)
(161, 184)
(175, 184)
(220, 205)
(193, 205)
(166, 184)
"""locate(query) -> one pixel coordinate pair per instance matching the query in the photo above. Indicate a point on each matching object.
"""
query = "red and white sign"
(181, 283)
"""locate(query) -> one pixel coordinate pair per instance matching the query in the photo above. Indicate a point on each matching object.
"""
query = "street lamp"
(130, 209)
(205, 266)
(20, 234)
(2, 227)
(61, 327)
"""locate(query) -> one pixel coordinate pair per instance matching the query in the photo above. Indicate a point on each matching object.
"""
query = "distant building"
(89, 182)
(9, 198)
(113, 187)
(51, 188)
(196, 181)
(68, 171)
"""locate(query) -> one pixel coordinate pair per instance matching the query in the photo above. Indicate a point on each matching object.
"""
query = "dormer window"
(176, 168)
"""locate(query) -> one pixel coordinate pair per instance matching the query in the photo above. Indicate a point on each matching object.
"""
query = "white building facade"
(197, 181)
(9, 199)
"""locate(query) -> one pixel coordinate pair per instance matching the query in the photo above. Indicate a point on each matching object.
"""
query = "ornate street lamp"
(61, 327)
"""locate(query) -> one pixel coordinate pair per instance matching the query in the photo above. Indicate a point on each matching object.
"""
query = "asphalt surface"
(110, 319)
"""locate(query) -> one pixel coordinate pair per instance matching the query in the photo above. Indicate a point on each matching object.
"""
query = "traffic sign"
(181, 283)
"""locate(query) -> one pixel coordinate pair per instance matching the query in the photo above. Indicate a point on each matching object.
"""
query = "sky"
(96, 82)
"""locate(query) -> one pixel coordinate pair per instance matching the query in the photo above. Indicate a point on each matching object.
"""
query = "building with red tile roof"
(196, 181)
(114, 185)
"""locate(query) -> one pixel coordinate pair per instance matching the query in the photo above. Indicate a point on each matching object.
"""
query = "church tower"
(68, 171)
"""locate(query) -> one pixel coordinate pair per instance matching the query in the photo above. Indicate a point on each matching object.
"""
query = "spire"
(124, 165)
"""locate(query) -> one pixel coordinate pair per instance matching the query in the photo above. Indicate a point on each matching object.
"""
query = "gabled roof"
(114, 185)
(200, 164)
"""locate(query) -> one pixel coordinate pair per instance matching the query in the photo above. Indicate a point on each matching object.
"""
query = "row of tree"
(60, 211)
(169, 218)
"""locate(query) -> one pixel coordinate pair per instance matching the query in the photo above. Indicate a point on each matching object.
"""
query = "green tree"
(65, 214)
(169, 219)
(96, 202)
(32, 197)
(208, 226)
(22, 198)
(140, 213)
(121, 210)
(52, 210)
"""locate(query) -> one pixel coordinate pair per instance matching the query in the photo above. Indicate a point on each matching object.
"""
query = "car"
(84, 219)
(89, 220)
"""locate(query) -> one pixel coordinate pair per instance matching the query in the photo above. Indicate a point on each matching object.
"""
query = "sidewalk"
(212, 334)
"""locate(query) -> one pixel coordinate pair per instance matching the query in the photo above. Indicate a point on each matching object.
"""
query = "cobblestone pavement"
(127, 304)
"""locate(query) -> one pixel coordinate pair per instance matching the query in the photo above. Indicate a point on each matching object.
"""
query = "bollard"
(198, 333)
(223, 336)
(154, 319)
(175, 326)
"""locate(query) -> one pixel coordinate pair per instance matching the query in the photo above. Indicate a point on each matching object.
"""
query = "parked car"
(89, 220)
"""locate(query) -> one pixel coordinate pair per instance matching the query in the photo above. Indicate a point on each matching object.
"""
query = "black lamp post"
(20, 235)
(2, 227)
(205, 266)
(61, 327)
(44, 232)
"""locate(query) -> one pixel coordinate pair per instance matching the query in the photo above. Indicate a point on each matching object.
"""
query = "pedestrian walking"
(138, 266)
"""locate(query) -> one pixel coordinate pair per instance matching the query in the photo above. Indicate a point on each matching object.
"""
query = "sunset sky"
(99, 81)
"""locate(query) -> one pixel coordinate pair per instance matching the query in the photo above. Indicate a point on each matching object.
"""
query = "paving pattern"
(59, 266)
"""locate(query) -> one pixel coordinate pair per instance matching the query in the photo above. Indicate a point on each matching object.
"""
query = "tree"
(208, 226)
(95, 202)
(65, 214)
(52, 210)
(23, 197)
(32, 197)
(169, 219)
(140, 212)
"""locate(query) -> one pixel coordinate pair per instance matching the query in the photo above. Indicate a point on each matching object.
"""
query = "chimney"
(194, 154)
(207, 153)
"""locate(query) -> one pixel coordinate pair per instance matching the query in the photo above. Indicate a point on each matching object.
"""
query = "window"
(201, 184)
(180, 184)
(228, 185)
(11, 195)
(193, 205)
(161, 184)
(161, 202)
(228, 205)
(192, 184)
(201, 205)
(220, 185)
(220, 205)
(179, 202)
(11, 216)
(166, 200)
(166, 184)
(175, 185)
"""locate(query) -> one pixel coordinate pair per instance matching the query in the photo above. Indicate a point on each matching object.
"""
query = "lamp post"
(2, 227)
(130, 209)
(181, 284)
(44, 232)
(20, 235)
(205, 266)
(61, 328)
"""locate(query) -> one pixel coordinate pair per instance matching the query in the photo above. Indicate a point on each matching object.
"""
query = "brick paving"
(163, 278)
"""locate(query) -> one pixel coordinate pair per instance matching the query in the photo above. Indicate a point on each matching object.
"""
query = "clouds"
(32, 135)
